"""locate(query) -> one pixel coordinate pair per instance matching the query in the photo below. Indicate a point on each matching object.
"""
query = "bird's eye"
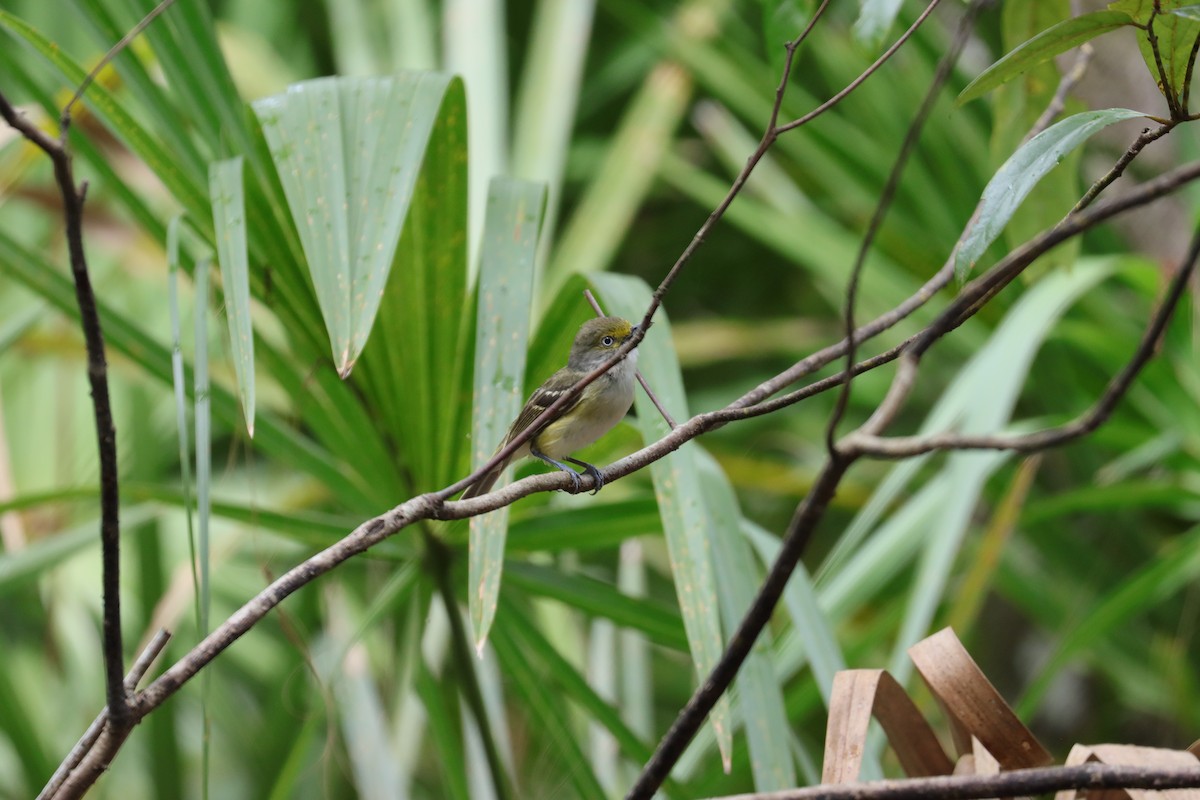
(607, 341)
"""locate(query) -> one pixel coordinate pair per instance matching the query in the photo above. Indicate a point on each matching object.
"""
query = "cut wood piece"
(859, 694)
(1135, 756)
(973, 705)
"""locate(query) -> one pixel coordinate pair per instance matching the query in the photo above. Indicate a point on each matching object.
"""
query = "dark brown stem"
(97, 370)
(692, 715)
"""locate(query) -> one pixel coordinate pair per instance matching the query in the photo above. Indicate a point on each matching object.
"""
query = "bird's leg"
(590, 469)
(533, 451)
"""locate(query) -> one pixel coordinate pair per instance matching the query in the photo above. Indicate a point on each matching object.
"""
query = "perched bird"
(592, 413)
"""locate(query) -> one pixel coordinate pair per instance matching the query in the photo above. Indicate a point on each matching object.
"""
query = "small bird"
(593, 413)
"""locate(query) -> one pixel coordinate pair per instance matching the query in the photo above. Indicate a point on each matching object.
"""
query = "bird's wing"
(541, 399)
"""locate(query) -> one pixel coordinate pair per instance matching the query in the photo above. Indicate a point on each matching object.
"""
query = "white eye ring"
(607, 341)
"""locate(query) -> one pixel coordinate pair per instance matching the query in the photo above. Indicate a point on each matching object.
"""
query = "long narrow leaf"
(509, 251)
(229, 217)
(681, 497)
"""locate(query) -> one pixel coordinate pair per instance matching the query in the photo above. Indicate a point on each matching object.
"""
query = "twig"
(97, 370)
(110, 55)
(591, 298)
(86, 742)
(868, 72)
(1146, 137)
(1016, 783)
(941, 75)
(906, 446)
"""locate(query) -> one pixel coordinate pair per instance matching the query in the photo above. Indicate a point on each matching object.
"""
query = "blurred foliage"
(636, 116)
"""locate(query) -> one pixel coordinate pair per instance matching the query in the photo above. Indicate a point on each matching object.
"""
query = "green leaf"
(1043, 47)
(1016, 107)
(417, 369)
(509, 252)
(29, 563)
(124, 336)
(681, 497)
(1022, 171)
(203, 422)
(348, 152)
(229, 218)
(598, 526)
(183, 186)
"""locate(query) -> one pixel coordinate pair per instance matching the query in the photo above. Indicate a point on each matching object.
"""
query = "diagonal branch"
(906, 446)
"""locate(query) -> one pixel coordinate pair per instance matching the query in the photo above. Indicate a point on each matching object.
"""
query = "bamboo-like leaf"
(417, 371)
(814, 631)
(445, 731)
(1175, 569)
(1041, 48)
(554, 666)
(348, 152)
(29, 563)
(1021, 172)
(681, 497)
(229, 218)
(548, 97)
(203, 423)
(598, 526)
(505, 300)
(178, 384)
(124, 336)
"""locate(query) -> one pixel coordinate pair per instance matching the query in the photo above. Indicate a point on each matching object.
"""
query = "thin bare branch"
(110, 55)
(1015, 783)
(1146, 137)
(88, 741)
(945, 65)
(906, 446)
(868, 72)
(662, 410)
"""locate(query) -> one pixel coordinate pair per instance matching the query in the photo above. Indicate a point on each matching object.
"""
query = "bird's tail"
(485, 482)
